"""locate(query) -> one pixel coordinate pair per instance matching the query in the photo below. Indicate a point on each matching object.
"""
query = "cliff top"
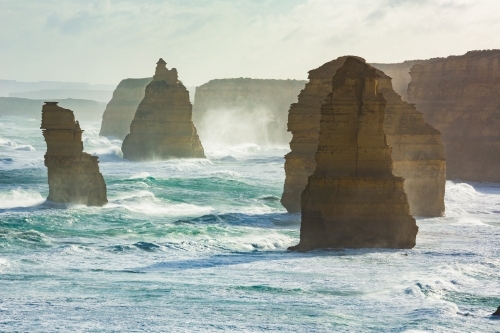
(134, 83)
(249, 81)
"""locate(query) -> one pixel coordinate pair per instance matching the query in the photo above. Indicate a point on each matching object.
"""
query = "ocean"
(200, 245)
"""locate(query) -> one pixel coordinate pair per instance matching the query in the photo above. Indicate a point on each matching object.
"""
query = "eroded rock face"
(73, 175)
(121, 108)
(353, 200)
(417, 153)
(162, 127)
(417, 150)
(460, 96)
(303, 122)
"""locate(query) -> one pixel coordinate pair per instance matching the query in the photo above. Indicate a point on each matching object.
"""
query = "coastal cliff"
(73, 175)
(417, 150)
(162, 127)
(256, 109)
(400, 74)
(353, 199)
(121, 108)
(460, 96)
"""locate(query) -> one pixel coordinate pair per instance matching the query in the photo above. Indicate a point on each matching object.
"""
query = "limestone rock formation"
(73, 175)
(121, 108)
(460, 96)
(417, 151)
(162, 127)
(262, 104)
(353, 200)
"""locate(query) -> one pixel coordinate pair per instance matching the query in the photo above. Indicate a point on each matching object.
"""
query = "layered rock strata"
(460, 96)
(417, 150)
(162, 127)
(353, 200)
(73, 175)
(121, 108)
(262, 104)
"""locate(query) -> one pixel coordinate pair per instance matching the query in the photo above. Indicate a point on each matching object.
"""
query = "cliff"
(256, 109)
(417, 150)
(162, 127)
(121, 108)
(353, 200)
(400, 74)
(73, 175)
(84, 110)
(460, 96)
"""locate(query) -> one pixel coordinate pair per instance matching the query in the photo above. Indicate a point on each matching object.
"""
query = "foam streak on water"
(200, 246)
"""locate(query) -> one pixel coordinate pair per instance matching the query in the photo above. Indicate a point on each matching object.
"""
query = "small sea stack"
(417, 150)
(162, 127)
(353, 200)
(73, 175)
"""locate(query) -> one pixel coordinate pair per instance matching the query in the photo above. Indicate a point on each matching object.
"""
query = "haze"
(106, 41)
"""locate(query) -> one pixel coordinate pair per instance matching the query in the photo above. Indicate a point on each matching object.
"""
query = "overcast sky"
(101, 41)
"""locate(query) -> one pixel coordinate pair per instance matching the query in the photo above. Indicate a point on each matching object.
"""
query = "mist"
(236, 126)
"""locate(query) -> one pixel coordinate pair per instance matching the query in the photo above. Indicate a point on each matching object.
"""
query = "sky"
(105, 41)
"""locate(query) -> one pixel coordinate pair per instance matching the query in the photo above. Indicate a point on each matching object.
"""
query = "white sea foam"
(141, 175)
(25, 148)
(7, 143)
(20, 198)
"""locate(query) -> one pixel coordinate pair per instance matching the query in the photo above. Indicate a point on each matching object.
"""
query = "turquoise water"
(200, 246)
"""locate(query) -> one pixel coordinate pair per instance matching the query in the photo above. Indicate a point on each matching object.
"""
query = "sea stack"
(460, 96)
(162, 127)
(121, 108)
(417, 151)
(353, 200)
(73, 175)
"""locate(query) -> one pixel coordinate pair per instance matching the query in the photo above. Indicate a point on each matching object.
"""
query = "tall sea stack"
(353, 200)
(417, 150)
(73, 175)
(162, 127)
(460, 96)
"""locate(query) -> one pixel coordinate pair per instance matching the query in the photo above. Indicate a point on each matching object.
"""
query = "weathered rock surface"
(417, 153)
(73, 175)
(353, 199)
(121, 108)
(162, 127)
(262, 104)
(460, 96)
(416, 146)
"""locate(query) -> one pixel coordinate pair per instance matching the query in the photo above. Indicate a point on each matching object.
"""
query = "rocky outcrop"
(162, 127)
(261, 106)
(417, 151)
(73, 175)
(400, 74)
(460, 96)
(353, 199)
(121, 108)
